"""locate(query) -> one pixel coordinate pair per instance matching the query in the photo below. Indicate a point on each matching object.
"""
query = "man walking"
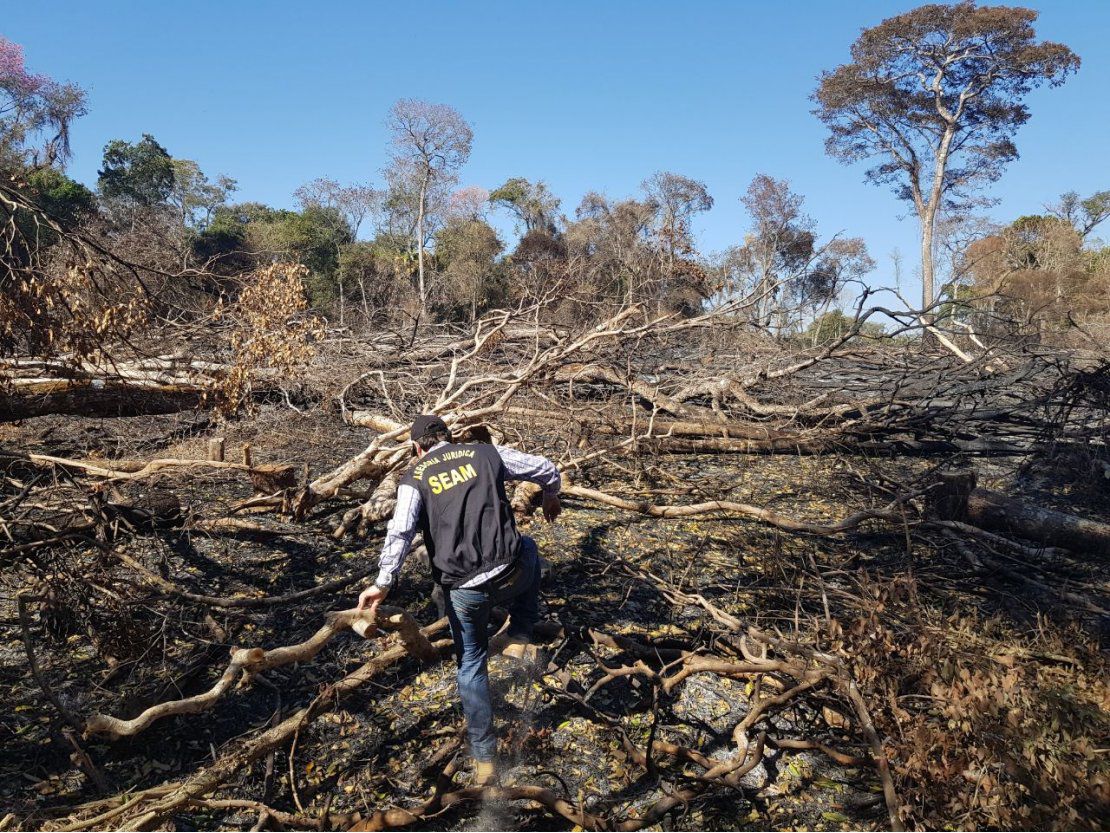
(455, 494)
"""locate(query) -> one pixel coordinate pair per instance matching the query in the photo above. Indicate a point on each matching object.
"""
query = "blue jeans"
(468, 611)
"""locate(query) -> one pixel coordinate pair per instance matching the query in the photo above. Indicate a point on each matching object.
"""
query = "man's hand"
(371, 597)
(551, 507)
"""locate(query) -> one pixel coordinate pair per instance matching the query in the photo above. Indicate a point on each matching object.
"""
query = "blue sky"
(585, 95)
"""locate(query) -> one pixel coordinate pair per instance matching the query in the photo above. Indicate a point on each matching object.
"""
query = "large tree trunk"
(420, 243)
(928, 224)
(96, 397)
(956, 498)
(32, 387)
(994, 511)
(928, 215)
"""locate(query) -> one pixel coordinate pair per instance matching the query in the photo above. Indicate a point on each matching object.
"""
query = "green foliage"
(249, 233)
(195, 197)
(246, 234)
(473, 281)
(227, 231)
(532, 204)
(834, 324)
(314, 237)
(376, 276)
(223, 243)
(62, 198)
(140, 173)
(512, 192)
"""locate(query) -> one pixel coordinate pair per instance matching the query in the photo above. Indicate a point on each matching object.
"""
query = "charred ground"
(975, 655)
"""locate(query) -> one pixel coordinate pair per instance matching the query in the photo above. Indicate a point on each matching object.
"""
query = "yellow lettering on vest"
(440, 483)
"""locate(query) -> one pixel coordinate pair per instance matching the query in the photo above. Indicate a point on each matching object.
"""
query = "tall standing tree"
(195, 197)
(432, 141)
(780, 244)
(353, 202)
(935, 96)
(533, 205)
(35, 113)
(141, 174)
(679, 198)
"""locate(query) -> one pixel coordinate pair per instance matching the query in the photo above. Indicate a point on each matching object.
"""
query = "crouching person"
(455, 495)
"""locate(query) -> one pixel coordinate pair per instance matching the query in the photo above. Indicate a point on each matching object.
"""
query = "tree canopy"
(35, 112)
(933, 99)
(141, 173)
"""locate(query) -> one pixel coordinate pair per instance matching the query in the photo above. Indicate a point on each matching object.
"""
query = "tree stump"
(947, 500)
(269, 478)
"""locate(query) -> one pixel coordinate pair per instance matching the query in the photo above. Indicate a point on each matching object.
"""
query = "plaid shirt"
(406, 516)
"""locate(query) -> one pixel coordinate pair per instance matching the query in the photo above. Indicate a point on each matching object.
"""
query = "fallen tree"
(956, 498)
(640, 412)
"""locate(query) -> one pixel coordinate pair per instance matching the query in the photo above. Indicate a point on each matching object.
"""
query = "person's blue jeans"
(468, 612)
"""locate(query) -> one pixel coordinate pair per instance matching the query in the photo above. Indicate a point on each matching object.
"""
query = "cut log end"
(947, 500)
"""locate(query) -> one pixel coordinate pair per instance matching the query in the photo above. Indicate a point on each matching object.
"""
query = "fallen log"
(526, 498)
(998, 512)
(96, 397)
(582, 373)
(377, 508)
(732, 437)
(957, 498)
(153, 385)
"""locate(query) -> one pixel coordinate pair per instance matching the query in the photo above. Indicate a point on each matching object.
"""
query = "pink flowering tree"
(35, 112)
(469, 203)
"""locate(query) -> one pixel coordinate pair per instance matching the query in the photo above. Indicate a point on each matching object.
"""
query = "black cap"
(426, 424)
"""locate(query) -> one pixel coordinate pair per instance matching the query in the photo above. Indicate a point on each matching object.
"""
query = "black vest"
(466, 518)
